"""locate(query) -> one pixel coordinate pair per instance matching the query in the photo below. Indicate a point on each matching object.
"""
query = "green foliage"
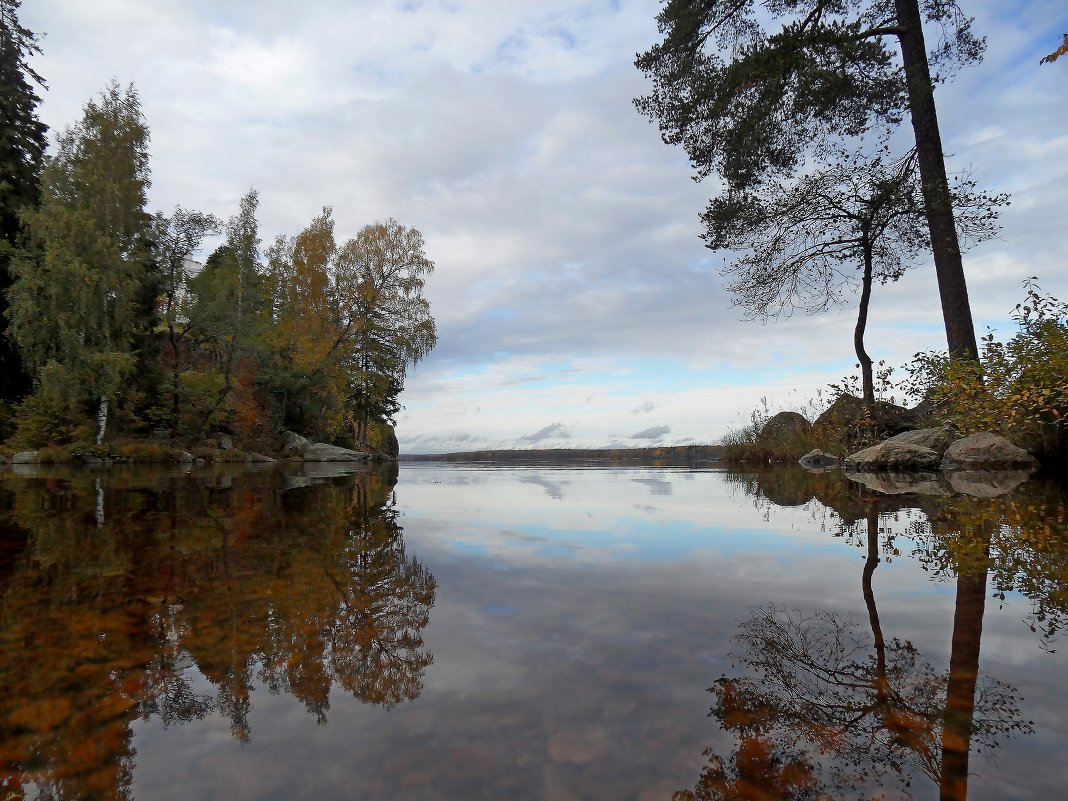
(84, 282)
(22, 146)
(1018, 389)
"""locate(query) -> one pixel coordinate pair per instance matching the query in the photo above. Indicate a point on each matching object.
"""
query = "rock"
(847, 411)
(888, 483)
(293, 443)
(259, 457)
(937, 439)
(816, 458)
(321, 452)
(92, 461)
(785, 423)
(3, 459)
(390, 447)
(988, 450)
(25, 457)
(225, 441)
(986, 483)
(185, 457)
(894, 456)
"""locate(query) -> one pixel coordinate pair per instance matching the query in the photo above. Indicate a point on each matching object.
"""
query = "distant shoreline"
(684, 455)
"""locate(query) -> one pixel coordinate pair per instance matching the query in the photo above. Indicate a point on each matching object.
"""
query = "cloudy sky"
(576, 305)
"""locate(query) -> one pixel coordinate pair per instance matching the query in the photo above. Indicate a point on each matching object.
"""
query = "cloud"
(643, 408)
(654, 432)
(552, 431)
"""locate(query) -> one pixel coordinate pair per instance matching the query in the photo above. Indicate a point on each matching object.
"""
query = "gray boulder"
(259, 457)
(847, 412)
(321, 452)
(887, 483)
(816, 458)
(937, 439)
(987, 450)
(3, 459)
(25, 457)
(894, 456)
(783, 423)
(986, 483)
(293, 443)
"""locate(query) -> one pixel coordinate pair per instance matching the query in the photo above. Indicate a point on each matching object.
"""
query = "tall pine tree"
(22, 146)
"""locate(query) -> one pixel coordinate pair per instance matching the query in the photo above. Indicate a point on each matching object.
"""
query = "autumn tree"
(1060, 51)
(806, 240)
(22, 147)
(308, 342)
(227, 308)
(77, 305)
(380, 275)
(750, 102)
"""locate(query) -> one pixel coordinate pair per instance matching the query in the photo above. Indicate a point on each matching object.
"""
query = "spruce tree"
(22, 146)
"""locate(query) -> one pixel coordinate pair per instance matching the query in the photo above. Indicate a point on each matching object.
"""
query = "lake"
(480, 632)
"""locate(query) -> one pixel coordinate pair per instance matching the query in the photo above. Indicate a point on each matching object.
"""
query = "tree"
(1060, 51)
(176, 239)
(22, 147)
(827, 74)
(379, 292)
(808, 237)
(228, 304)
(306, 338)
(78, 314)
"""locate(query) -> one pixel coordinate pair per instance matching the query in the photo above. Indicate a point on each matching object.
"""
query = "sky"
(575, 302)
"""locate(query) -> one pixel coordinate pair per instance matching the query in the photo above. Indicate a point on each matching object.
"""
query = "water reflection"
(128, 596)
(825, 707)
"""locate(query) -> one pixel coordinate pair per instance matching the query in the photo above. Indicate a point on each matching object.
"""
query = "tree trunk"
(101, 419)
(174, 385)
(882, 683)
(858, 336)
(960, 690)
(956, 310)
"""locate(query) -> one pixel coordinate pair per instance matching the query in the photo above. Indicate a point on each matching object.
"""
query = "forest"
(111, 333)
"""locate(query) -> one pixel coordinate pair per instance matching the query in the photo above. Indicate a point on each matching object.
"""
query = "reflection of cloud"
(554, 490)
(552, 431)
(655, 485)
(653, 432)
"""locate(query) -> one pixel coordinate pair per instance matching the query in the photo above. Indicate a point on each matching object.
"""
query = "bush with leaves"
(1018, 388)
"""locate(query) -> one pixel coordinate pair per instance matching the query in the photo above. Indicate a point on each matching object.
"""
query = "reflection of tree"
(757, 772)
(817, 685)
(301, 589)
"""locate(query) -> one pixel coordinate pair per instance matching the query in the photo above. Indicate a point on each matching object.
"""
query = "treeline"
(681, 455)
(113, 332)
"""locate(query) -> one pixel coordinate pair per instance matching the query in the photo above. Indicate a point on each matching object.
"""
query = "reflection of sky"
(575, 638)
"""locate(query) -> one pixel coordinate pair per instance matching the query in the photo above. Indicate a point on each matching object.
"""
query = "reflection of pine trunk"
(858, 335)
(881, 681)
(960, 690)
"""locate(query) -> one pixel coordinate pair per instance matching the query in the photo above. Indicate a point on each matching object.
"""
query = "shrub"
(1018, 389)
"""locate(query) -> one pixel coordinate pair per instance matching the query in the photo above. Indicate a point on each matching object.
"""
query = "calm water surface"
(529, 633)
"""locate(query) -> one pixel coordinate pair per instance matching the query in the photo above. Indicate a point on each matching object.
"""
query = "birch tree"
(77, 301)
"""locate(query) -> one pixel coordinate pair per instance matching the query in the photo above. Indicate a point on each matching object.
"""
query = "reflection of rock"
(937, 439)
(816, 459)
(889, 483)
(891, 455)
(989, 450)
(986, 483)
